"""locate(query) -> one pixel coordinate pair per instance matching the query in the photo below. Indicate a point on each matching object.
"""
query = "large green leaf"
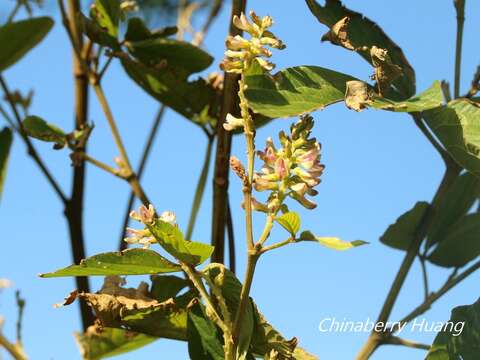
(363, 32)
(195, 100)
(458, 200)
(429, 99)
(96, 33)
(204, 339)
(171, 238)
(460, 339)
(127, 262)
(163, 51)
(401, 234)
(100, 343)
(17, 38)
(331, 242)
(230, 288)
(6, 139)
(293, 91)
(165, 287)
(460, 245)
(458, 128)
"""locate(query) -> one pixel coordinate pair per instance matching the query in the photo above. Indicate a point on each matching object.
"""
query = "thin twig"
(31, 149)
(460, 10)
(231, 238)
(141, 167)
(99, 164)
(200, 189)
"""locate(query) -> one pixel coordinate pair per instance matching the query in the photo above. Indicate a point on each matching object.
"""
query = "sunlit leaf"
(401, 234)
(460, 339)
(363, 32)
(17, 38)
(96, 33)
(171, 238)
(460, 245)
(458, 128)
(107, 14)
(331, 242)
(290, 221)
(6, 139)
(127, 262)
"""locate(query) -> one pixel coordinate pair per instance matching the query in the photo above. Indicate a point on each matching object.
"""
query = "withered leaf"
(385, 70)
(357, 95)
(338, 34)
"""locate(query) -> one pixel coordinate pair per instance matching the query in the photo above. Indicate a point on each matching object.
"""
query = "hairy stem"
(202, 181)
(141, 167)
(229, 104)
(460, 10)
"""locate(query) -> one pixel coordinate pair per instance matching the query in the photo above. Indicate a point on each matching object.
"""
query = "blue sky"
(377, 166)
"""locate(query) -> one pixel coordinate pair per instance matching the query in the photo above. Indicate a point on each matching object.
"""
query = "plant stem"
(132, 178)
(394, 340)
(425, 277)
(460, 10)
(202, 180)
(290, 240)
(375, 339)
(229, 104)
(141, 167)
(231, 238)
(14, 350)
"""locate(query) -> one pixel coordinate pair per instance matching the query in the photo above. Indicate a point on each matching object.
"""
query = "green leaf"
(203, 336)
(401, 234)
(172, 240)
(363, 32)
(230, 288)
(165, 287)
(266, 338)
(429, 99)
(107, 14)
(458, 128)
(194, 100)
(290, 221)
(457, 341)
(6, 139)
(175, 53)
(100, 343)
(331, 242)
(96, 33)
(138, 31)
(39, 129)
(127, 262)
(458, 200)
(293, 91)
(460, 245)
(17, 38)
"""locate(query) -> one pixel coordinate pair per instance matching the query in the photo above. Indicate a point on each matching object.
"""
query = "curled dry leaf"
(357, 95)
(385, 70)
(338, 34)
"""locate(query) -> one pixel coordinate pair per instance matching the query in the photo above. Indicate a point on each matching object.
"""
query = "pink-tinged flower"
(141, 237)
(144, 215)
(292, 170)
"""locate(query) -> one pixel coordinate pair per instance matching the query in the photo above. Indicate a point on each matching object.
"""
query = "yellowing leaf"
(331, 242)
(290, 221)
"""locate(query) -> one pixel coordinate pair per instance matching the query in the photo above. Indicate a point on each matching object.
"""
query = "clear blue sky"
(377, 166)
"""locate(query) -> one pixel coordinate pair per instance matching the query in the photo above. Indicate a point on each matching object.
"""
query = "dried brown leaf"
(338, 34)
(357, 95)
(385, 70)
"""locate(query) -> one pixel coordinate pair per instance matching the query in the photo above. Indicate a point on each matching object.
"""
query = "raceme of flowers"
(147, 217)
(292, 170)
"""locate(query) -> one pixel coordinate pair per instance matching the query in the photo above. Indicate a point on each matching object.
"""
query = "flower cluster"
(147, 217)
(292, 170)
(241, 52)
